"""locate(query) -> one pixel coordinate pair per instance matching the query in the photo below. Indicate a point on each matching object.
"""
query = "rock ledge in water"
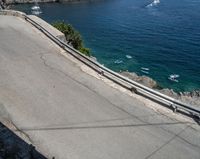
(147, 81)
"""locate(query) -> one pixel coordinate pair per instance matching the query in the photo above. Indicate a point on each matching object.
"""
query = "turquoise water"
(164, 38)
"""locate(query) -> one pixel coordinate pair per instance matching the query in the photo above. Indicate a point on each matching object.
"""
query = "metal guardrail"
(117, 78)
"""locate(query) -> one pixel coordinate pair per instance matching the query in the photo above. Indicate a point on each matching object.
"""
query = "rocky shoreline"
(192, 98)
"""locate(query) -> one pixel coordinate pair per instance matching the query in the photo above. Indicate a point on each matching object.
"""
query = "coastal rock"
(169, 92)
(192, 98)
(147, 81)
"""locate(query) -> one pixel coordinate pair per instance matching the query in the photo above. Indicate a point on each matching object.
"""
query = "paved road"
(72, 115)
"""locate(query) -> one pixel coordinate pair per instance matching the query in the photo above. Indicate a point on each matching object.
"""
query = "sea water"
(161, 35)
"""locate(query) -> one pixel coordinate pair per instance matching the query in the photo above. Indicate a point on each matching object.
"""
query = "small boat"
(128, 56)
(36, 9)
(145, 68)
(154, 3)
(173, 77)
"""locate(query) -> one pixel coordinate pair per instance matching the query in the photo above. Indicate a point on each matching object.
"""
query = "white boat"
(36, 9)
(128, 56)
(154, 3)
(173, 77)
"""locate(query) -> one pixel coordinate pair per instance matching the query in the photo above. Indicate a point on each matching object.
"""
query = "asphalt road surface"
(71, 115)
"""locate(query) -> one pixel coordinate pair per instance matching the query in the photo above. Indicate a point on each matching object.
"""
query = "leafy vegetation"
(72, 36)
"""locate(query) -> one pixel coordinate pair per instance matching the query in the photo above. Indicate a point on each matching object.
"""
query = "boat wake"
(118, 61)
(145, 70)
(154, 3)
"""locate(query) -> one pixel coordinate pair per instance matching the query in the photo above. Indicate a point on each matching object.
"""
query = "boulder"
(147, 81)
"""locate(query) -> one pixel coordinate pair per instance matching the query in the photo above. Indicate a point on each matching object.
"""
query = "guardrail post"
(133, 89)
(63, 46)
(174, 107)
(101, 72)
(198, 117)
(40, 29)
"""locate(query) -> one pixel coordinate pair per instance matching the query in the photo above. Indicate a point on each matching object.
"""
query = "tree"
(72, 36)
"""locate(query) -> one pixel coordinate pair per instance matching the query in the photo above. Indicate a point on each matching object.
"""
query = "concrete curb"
(13, 13)
(38, 20)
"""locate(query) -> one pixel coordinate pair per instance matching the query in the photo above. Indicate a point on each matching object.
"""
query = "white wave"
(154, 3)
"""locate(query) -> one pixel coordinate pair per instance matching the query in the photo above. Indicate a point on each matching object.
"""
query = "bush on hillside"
(72, 36)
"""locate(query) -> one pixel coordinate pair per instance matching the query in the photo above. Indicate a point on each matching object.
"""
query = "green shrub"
(85, 51)
(72, 36)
